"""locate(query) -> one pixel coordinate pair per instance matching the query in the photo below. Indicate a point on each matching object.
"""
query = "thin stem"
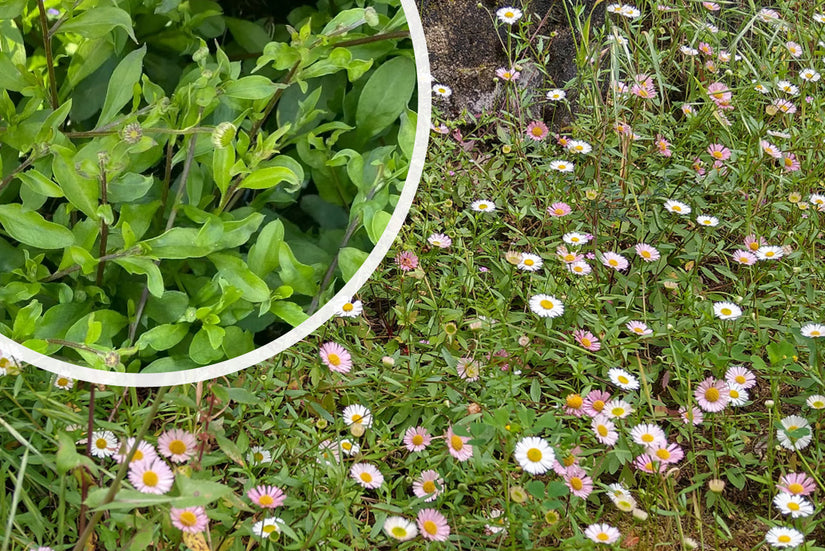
(130, 252)
(104, 227)
(121, 473)
(272, 103)
(47, 46)
(23, 166)
(84, 483)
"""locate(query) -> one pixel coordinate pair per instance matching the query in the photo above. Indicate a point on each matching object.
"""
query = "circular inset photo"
(188, 188)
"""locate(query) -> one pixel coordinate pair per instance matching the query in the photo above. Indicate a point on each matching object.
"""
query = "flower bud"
(357, 430)
(716, 485)
(223, 135)
(639, 514)
(518, 494)
(388, 361)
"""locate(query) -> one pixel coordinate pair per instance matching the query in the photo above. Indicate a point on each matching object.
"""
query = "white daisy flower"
(726, 310)
(816, 401)
(738, 395)
(617, 409)
(509, 15)
(356, 413)
(400, 528)
(483, 205)
(812, 330)
(769, 252)
(546, 306)
(649, 435)
(579, 146)
(442, 90)
(677, 207)
(710, 221)
(104, 443)
(556, 94)
(530, 262)
(791, 504)
(562, 166)
(575, 238)
(350, 309)
(795, 433)
(809, 75)
(534, 455)
(782, 536)
(623, 379)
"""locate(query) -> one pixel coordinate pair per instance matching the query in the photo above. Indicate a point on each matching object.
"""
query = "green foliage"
(169, 148)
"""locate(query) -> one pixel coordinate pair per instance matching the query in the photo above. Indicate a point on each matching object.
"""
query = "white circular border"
(416, 167)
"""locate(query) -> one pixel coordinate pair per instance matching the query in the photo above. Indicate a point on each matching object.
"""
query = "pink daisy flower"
(705, 48)
(417, 439)
(559, 209)
(770, 149)
(663, 146)
(667, 453)
(605, 430)
(406, 261)
(785, 106)
(799, 484)
(719, 152)
(577, 480)
(458, 446)
(639, 328)
(367, 475)
(712, 395)
(594, 402)
(428, 485)
(537, 131)
(614, 260)
(189, 519)
(440, 240)
(790, 163)
(573, 405)
(336, 357)
(267, 497)
(746, 258)
(647, 252)
(151, 476)
(741, 376)
(177, 444)
(568, 257)
(145, 451)
(587, 340)
(432, 525)
(468, 369)
(753, 243)
(648, 464)
(693, 415)
(507, 74)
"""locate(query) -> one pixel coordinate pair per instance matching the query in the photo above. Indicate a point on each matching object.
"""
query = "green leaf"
(25, 321)
(535, 488)
(385, 96)
(129, 187)
(346, 20)
(82, 193)
(228, 447)
(37, 182)
(10, 9)
(280, 54)
(350, 260)
(406, 133)
(377, 224)
(252, 87)
(201, 351)
(265, 178)
(94, 23)
(121, 85)
(29, 228)
(264, 255)
(237, 273)
(143, 266)
(295, 274)
(251, 37)
(10, 76)
(179, 243)
(163, 337)
(289, 312)
(89, 57)
(68, 458)
(222, 160)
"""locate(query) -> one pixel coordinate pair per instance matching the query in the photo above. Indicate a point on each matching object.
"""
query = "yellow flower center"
(62, 381)
(346, 445)
(574, 401)
(456, 442)
(602, 430)
(647, 437)
(559, 211)
(622, 379)
(482, 206)
(796, 488)
(537, 131)
(646, 254)
(177, 447)
(598, 405)
(138, 455)
(784, 538)
(188, 518)
(576, 483)
(509, 14)
(258, 457)
(528, 262)
(818, 404)
(769, 253)
(428, 486)
(717, 154)
(613, 262)
(677, 208)
(663, 454)
(534, 455)
(602, 536)
(366, 477)
(561, 167)
(740, 379)
(399, 531)
(734, 393)
(815, 333)
(569, 460)
(265, 499)
(570, 257)
(269, 528)
(348, 307)
(712, 394)
(356, 418)
(726, 311)
(793, 506)
(430, 527)
(586, 342)
(334, 359)
(101, 443)
(617, 411)
(150, 478)
(417, 440)
(546, 304)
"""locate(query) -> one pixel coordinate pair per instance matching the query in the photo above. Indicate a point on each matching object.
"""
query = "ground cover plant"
(605, 336)
(180, 186)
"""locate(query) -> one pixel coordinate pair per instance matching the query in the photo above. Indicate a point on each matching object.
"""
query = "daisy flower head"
(356, 413)
(794, 505)
(769, 149)
(559, 209)
(795, 432)
(104, 444)
(740, 375)
(576, 238)
(788, 87)
(639, 328)
(442, 90)
(329, 453)
(350, 309)
(666, 453)
(692, 416)
(648, 253)
(605, 430)
(815, 401)
(189, 519)
(530, 262)
(809, 75)
(726, 310)
(433, 525)
(782, 537)
(617, 409)
(614, 260)
(623, 379)
(534, 455)
(267, 497)
(537, 131)
(151, 476)
(349, 447)
(768, 15)
(406, 261)
(746, 258)
(367, 475)
(663, 146)
(709, 221)
(712, 395)
(761, 88)
(417, 439)
(577, 480)
(508, 15)
(796, 484)
(468, 369)
(546, 306)
(677, 207)
(817, 200)
(648, 464)
(784, 105)
(428, 485)
(495, 516)
(594, 402)
(400, 528)
(812, 330)
(266, 527)
(335, 357)
(440, 240)
(649, 435)
(556, 94)
(507, 74)
(177, 444)
(602, 533)
(819, 17)
(579, 147)
(769, 252)
(580, 267)
(458, 446)
(257, 455)
(144, 451)
(790, 163)
(562, 166)
(587, 340)
(63, 382)
(793, 48)
(483, 205)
